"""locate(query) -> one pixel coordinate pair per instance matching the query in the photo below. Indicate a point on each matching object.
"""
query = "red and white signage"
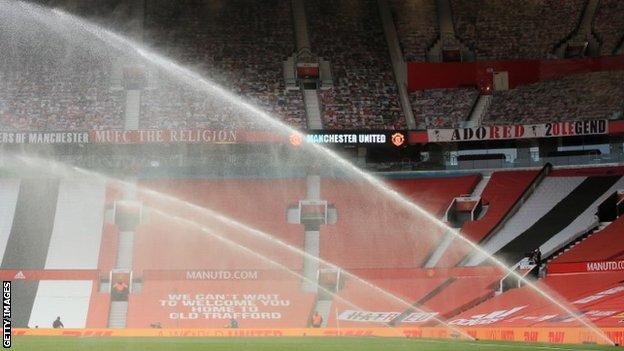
(519, 131)
(207, 274)
(384, 317)
(166, 136)
(600, 295)
(581, 267)
(486, 318)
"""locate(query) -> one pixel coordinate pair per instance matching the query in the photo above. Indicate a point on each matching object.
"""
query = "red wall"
(426, 75)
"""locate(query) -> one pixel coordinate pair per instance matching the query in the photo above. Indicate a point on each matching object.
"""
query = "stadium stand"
(443, 108)
(74, 244)
(458, 293)
(595, 95)
(514, 29)
(603, 245)
(358, 215)
(355, 207)
(35, 97)
(548, 194)
(500, 194)
(572, 216)
(409, 290)
(68, 299)
(69, 92)
(58, 97)
(463, 293)
(28, 242)
(9, 189)
(417, 27)
(587, 219)
(236, 48)
(99, 307)
(199, 249)
(250, 67)
(608, 313)
(76, 237)
(609, 25)
(364, 95)
(435, 194)
(525, 307)
(439, 291)
(230, 197)
(599, 308)
(108, 247)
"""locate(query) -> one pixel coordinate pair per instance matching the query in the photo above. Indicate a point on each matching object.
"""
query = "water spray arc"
(61, 169)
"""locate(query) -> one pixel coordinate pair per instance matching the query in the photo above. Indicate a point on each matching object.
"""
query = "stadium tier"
(597, 95)
(562, 207)
(417, 27)
(608, 26)
(597, 247)
(240, 50)
(358, 213)
(190, 269)
(247, 54)
(525, 307)
(509, 30)
(500, 195)
(365, 93)
(443, 108)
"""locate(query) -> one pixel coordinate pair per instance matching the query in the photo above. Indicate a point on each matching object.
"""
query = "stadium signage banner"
(392, 138)
(486, 318)
(519, 131)
(582, 267)
(205, 136)
(184, 136)
(44, 137)
(384, 317)
(222, 307)
(552, 335)
(206, 274)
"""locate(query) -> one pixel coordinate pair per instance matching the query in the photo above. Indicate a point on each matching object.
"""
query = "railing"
(526, 269)
(531, 163)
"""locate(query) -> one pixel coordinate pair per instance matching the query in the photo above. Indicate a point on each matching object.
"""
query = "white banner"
(520, 131)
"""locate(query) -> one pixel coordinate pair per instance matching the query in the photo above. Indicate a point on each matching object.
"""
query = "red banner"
(596, 266)
(216, 274)
(428, 75)
(172, 136)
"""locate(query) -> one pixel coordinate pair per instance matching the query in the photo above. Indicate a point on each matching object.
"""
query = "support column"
(312, 243)
(311, 212)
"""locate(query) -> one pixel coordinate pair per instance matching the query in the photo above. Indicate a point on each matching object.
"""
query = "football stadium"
(312, 174)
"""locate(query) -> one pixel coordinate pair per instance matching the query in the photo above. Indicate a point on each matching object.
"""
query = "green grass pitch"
(31, 343)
